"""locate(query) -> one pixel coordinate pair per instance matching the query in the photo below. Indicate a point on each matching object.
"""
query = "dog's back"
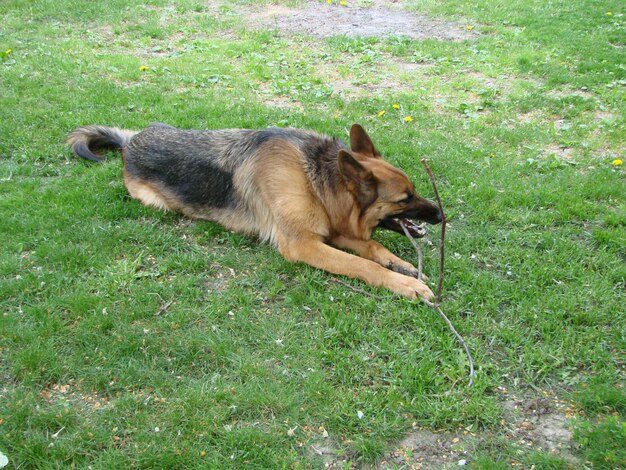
(196, 168)
(226, 149)
(223, 175)
(203, 166)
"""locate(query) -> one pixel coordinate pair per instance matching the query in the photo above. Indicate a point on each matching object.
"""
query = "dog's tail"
(86, 140)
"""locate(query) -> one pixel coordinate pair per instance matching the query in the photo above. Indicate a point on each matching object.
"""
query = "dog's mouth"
(426, 211)
(395, 224)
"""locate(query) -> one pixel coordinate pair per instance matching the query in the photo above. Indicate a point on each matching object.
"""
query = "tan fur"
(145, 193)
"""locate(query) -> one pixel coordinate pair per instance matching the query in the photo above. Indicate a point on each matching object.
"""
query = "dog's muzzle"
(425, 211)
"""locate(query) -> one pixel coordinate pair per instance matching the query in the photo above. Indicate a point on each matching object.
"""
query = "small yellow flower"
(395, 106)
(343, 3)
(143, 68)
(382, 113)
(408, 119)
(617, 162)
(609, 13)
(329, 2)
(203, 454)
(469, 27)
(8, 51)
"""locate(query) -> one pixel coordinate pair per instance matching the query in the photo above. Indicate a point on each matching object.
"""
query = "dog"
(309, 195)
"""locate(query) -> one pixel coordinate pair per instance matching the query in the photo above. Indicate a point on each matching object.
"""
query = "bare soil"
(319, 19)
(539, 424)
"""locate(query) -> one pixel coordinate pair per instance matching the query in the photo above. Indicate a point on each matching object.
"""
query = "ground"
(131, 337)
(382, 19)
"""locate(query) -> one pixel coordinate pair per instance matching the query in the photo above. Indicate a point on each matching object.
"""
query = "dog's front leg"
(314, 251)
(376, 252)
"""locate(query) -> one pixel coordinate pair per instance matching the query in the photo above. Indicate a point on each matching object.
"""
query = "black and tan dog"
(307, 194)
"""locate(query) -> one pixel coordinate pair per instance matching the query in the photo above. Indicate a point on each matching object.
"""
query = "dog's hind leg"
(144, 192)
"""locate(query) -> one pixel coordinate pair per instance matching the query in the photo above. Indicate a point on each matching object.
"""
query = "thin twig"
(164, 307)
(443, 232)
(417, 248)
(437, 308)
(435, 305)
(355, 289)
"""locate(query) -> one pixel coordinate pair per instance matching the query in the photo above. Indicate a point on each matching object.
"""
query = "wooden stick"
(355, 289)
(164, 307)
(437, 308)
(443, 232)
(435, 305)
(417, 248)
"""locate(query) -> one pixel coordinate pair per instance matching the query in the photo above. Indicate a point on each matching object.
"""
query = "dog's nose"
(434, 218)
(431, 214)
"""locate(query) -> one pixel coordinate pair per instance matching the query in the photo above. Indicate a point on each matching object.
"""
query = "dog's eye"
(409, 198)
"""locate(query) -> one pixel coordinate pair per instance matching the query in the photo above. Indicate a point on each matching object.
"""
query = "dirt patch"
(424, 449)
(70, 393)
(568, 92)
(530, 117)
(320, 19)
(529, 425)
(349, 89)
(220, 278)
(540, 424)
(266, 95)
(281, 102)
(559, 151)
(604, 117)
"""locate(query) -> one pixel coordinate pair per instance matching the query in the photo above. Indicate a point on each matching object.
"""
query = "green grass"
(129, 337)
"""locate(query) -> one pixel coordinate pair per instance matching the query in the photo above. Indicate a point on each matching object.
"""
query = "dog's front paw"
(407, 269)
(425, 292)
(402, 267)
(411, 287)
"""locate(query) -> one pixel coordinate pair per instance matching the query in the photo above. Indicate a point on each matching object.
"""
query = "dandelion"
(408, 119)
(395, 106)
(329, 2)
(617, 162)
(469, 27)
(143, 68)
(609, 13)
(343, 3)
(203, 453)
(8, 51)
(382, 113)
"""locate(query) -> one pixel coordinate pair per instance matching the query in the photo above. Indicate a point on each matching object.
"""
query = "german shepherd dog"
(309, 195)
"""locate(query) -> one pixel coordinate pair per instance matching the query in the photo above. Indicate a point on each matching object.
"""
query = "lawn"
(135, 338)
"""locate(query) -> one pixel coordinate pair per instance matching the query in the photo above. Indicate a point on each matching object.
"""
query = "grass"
(129, 337)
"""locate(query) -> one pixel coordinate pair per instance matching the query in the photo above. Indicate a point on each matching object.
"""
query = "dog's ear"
(360, 181)
(360, 142)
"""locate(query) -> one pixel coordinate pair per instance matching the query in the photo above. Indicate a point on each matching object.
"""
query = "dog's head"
(385, 194)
